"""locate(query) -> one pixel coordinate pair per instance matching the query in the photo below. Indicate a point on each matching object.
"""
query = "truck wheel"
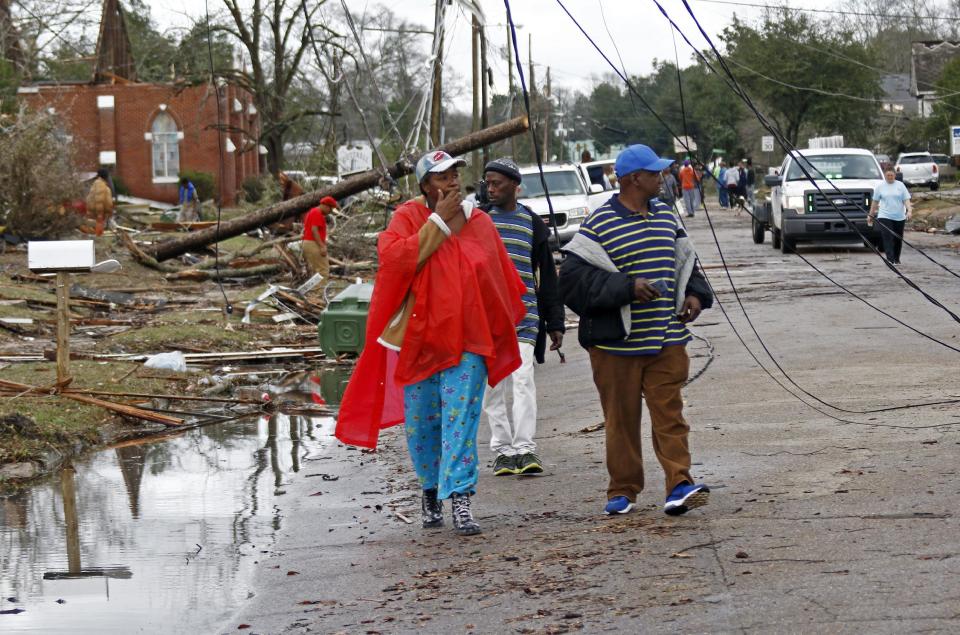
(934, 186)
(786, 244)
(775, 237)
(758, 231)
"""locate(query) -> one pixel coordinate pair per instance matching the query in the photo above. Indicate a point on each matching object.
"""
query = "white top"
(891, 199)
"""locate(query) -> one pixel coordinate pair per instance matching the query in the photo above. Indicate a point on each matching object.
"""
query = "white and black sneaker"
(684, 497)
(463, 522)
(431, 509)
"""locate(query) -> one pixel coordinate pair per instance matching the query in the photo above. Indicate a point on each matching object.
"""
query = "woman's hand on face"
(448, 205)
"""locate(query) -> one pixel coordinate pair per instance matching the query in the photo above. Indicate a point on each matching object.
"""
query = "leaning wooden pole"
(365, 180)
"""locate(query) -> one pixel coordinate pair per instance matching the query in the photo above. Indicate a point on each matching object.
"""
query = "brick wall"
(99, 129)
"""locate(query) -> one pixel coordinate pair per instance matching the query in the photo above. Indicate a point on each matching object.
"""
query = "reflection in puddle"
(158, 537)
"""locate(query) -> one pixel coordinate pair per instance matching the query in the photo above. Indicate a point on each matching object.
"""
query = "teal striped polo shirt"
(516, 232)
(643, 248)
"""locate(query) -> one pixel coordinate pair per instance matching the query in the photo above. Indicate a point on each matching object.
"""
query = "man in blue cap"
(631, 276)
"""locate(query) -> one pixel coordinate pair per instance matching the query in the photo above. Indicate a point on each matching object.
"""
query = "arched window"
(166, 149)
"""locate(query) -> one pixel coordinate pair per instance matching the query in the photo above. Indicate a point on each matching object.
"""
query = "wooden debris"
(124, 409)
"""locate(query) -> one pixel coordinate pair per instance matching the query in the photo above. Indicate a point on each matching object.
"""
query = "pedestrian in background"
(751, 182)
(100, 202)
(720, 177)
(189, 202)
(634, 305)
(669, 190)
(314, 241)
(690, 188)
(442, 321)
(527, 241)
(731, 180)
(891, 205)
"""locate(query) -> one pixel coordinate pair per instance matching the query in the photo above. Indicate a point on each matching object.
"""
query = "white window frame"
(165, 140)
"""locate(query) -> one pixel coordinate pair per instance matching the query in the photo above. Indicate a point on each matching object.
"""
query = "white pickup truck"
(918, 168)
(823, 209)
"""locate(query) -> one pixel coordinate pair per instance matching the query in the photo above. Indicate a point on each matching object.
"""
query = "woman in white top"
(891, 205)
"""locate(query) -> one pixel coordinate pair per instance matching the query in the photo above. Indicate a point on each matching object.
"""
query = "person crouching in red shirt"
(314, 244)
(442, 324)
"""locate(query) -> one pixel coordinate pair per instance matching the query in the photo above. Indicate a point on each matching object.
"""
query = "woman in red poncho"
(442, 323)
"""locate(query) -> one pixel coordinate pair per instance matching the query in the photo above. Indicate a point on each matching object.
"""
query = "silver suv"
(918, 168)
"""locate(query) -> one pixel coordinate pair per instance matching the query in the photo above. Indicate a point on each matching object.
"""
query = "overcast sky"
(639, 30)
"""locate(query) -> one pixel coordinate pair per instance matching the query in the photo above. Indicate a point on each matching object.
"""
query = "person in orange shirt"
(690, 188)
(314, 243)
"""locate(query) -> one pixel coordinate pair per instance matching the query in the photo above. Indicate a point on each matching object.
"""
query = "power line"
(859, 14)
(716, 239)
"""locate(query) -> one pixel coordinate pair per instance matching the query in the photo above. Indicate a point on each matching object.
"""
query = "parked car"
(568, 193)
(918, 168)
(945, 165)
(799, 211)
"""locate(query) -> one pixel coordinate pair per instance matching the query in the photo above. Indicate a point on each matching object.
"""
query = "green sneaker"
(505, 465)
(529, 463)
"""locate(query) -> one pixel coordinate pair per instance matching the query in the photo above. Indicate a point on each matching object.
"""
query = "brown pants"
(317, 260)
(621, 381)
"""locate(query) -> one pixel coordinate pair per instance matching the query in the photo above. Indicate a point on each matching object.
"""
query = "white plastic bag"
(173, 360)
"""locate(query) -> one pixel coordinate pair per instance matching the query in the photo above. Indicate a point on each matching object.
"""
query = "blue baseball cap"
(436, 161)
(639, 157)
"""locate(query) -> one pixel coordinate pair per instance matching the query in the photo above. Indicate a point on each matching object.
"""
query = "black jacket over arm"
(549, 306)
(597, 295)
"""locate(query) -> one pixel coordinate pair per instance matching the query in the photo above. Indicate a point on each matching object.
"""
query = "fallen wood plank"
(124, 409)
(203, 274)
(172, 226)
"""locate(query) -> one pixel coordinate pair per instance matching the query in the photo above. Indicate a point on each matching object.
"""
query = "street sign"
(354, 159)
(767, 143)
(954, 140)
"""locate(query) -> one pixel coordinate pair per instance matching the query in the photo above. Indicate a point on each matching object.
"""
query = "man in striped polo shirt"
(622, 276)
(526, 238)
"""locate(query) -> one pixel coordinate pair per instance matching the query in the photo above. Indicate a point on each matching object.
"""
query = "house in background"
(898, 100)
(148, 133)
(927, 61)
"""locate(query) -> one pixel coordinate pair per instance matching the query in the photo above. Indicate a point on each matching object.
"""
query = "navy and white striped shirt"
(516, 231)
(643, 248)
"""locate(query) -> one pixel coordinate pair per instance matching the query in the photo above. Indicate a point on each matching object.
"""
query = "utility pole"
(475, 66)
(532, 89)
(513, 140)
(546, 120)
(435, 110)
(483, 88)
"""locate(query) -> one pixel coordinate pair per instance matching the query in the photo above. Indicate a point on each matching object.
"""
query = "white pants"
(516, 437)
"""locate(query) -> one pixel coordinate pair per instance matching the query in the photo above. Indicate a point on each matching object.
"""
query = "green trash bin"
(343, 324)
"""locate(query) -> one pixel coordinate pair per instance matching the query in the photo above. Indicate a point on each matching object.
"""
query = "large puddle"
(155, 537)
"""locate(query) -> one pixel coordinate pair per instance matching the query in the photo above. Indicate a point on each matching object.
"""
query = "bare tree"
(275, 39)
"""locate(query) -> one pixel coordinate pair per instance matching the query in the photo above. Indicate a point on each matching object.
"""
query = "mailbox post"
(62, 257)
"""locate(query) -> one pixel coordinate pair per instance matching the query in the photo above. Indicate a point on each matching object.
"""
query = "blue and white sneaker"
(684, 497)
(618, 505)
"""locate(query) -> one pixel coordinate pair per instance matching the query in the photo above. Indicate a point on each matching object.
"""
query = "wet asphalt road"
(814, 525)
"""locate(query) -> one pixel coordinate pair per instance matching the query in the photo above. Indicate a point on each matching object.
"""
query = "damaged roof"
(115, 62)
(927, 61)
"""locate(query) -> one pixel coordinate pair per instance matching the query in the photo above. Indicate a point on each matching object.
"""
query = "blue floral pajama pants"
(442, 414)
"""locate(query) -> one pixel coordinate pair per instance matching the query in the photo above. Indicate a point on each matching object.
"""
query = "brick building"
(148, 133)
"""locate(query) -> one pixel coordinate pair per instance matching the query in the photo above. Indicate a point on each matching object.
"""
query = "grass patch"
(56, 423)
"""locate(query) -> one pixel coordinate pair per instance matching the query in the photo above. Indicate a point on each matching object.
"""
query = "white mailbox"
(53, 256)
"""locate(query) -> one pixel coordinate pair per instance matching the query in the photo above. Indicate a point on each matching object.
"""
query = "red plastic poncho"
(468, 298)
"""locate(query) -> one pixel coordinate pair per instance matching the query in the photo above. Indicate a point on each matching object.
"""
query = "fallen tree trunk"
(224, 274)
(174, 247)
